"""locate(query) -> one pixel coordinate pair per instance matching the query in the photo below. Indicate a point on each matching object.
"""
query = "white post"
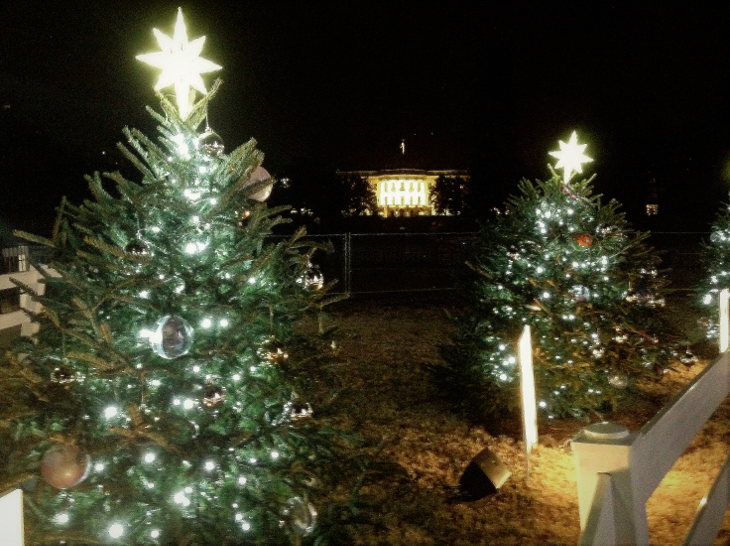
(529, 404)
(606, 448)
(11, 519)
(724, 328)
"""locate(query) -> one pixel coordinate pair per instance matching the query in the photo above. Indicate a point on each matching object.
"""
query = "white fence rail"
(618, 472)
(31, 278)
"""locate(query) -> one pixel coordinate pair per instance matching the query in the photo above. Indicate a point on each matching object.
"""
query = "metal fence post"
(348, 263)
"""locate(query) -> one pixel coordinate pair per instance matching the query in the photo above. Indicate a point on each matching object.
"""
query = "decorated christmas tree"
(587, 285)
(176, 390)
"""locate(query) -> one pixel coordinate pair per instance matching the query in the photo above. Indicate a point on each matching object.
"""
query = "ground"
(386, 347)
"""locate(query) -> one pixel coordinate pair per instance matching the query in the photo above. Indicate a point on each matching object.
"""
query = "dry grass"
(386, 347)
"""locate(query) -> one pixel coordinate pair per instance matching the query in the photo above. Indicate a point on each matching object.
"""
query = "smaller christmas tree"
(586, 284)
(715, 261)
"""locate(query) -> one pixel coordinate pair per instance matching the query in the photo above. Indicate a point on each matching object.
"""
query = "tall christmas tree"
(586, 284)
(172, 395)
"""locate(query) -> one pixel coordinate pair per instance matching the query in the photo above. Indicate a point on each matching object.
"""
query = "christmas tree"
(173, 394)
(586, 284)
(715, 261)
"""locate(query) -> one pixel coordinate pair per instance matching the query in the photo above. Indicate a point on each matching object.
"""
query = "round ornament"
(302, 516)
(211, 143)
(136, 248)
(244, 218)
(583, 239)
(580, 293)
(63, 374)
(173, 337)
(313, 280)
(300, 411)
(213, 396)
(618, 381)
(65, 466)
(259, 175)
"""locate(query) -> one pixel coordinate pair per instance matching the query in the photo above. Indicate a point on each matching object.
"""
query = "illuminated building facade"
(405, 192)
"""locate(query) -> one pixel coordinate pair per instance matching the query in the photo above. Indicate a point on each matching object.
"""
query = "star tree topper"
(181, 64)
(571, 157)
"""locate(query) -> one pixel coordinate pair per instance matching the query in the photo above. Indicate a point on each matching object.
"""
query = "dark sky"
(489, 88)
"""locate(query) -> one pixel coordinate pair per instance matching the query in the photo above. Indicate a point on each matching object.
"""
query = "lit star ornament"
(181, 64)
(571, 157)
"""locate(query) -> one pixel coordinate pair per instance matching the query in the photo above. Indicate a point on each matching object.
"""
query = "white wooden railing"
(32, 279)
(617, 472)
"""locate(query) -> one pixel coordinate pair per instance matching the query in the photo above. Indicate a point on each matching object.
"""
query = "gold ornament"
(583, 239)
(244, 218)
(64, 466)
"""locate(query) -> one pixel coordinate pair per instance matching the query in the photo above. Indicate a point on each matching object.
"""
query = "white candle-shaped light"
(529, 405)
(11, 519)
(724, 320)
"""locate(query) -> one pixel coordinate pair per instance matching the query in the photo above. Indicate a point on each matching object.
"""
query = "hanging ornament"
(300, 411)
(277, 355)
(213, 396)
(259, 175)
(63, 373)
(618, 381)
(301, 515)
(244, 218)
(211, 143)
(136, 248)
(583, 239)
(172, 338)
(312, 279)
(181, 65)
(580, 293)
(65, 466)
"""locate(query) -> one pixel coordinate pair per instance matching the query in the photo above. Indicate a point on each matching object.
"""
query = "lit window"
(652, 210)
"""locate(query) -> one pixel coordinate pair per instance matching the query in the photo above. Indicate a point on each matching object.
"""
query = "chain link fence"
(381, 263)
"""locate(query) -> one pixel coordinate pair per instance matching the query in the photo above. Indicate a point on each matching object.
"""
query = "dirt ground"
(385, 350)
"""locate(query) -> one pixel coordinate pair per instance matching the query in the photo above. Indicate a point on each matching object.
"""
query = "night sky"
(491, 89)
